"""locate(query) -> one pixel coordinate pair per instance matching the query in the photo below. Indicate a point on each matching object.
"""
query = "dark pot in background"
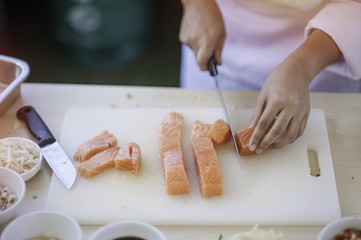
(101, 33)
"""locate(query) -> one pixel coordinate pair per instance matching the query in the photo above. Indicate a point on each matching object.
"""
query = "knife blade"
(50, 148)
(212, 67)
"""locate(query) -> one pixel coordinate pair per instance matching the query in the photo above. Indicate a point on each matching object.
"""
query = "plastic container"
(13, 72)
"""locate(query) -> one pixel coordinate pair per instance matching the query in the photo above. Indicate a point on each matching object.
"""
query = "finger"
(203, 55)
(184, 34)
(218, 51)
(258, 110)
(276, 131)
(262, 126)
(291, 135)
(303, 124)
(302, 127)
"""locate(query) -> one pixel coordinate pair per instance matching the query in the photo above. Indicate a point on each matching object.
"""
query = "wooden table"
(343, 117)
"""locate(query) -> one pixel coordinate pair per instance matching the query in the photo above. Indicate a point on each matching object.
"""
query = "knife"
(212, 67)
(50, 148)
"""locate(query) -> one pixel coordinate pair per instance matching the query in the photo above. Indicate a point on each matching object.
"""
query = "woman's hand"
(284, 98)
(283, 104)
(202, 29)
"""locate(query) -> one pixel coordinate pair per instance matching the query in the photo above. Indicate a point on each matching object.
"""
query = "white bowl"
(17, 186)
(128, 229)
(337, 226)
(31, 172)
(43, 223)
(13, 72)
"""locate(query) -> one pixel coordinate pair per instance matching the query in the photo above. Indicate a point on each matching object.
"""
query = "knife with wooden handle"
(50, 148)
(212, 67)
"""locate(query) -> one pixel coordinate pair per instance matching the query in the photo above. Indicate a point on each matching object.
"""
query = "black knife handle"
(36, 125)
(212, 67)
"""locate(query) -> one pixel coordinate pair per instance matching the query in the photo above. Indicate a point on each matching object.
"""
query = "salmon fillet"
(95, 145)
(242, 139)
(129, 158)
(220, 133)
(98, 163)
(205, 158)
(170, 150)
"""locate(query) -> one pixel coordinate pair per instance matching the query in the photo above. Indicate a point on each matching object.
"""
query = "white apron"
(260, 34)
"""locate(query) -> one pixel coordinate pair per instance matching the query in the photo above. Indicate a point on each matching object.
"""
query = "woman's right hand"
(202, 29)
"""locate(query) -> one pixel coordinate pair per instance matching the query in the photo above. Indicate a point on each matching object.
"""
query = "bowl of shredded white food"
(257, 234)
(12, 191)
(21, 155)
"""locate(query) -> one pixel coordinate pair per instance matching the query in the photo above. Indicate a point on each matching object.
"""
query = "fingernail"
(252, 147)
(258, 151)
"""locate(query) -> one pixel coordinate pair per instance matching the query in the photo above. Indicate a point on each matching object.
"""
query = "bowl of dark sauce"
(128, 238)
(128, 230)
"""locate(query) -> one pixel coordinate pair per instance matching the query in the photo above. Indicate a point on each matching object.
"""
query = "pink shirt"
(262, 33)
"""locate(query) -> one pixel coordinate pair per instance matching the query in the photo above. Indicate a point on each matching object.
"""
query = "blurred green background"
(117, 42)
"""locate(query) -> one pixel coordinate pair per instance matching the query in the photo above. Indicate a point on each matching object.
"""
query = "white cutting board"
(273, 188)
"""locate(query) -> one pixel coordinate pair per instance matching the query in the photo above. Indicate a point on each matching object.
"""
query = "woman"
(283, 48)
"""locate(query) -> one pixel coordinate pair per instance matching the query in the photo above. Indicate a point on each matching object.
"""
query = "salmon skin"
(98, 163)
(129, 158)
(95, 145)
(170, 150)
(206, 162)
(220, 132)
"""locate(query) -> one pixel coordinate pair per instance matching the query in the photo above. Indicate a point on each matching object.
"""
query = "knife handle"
(212, 67)
(36, 125)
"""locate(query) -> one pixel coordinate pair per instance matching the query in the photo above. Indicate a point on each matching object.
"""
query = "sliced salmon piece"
(170, 150)
(129, 158)
(205, 158)
(220, 133)
(95, 145)
(242, 139)
(98, 163)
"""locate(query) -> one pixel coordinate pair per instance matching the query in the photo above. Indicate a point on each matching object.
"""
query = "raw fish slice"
(171, 154)
(129, 158)
(220, 133)
(98, 163)
(242, 139)
(205, 158)
(95, 145)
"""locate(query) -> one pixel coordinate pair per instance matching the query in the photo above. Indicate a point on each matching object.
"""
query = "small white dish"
(339, 225)
(13, 72)
(43, 223)
(130, 228)
(15, 182)
(28, 174)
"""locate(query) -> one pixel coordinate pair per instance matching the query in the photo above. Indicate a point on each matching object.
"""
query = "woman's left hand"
(283, 105)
